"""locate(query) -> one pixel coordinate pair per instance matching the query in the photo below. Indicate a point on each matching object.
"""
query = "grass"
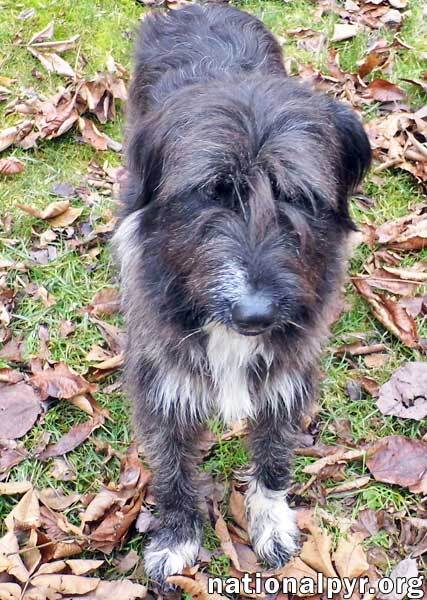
(107, 28)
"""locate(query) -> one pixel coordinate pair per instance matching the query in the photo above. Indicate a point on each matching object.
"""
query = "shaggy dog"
(232, 247)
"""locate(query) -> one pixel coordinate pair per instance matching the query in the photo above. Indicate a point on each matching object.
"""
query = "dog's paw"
(271, 524)
(165, 555)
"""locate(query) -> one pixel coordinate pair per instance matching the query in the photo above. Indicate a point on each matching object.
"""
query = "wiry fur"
(239, 181)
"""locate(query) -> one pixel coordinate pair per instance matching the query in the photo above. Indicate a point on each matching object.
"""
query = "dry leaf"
(389, 313)
(66, 218)
(10, 559)
(19, 407)
(405, 569)
(105, 302)
(400, 461)
(72, 439)
(53, 62)
(14, 487)
(52, 210)
(197, 588)
(45, 34)
(92, 136)
(66, 584)
(11, 166)
(340, 456)
(114, 590)
(349, 557)
(60, 382)
(316, 551)
(405, 394)
(385, 91)
(25, 514)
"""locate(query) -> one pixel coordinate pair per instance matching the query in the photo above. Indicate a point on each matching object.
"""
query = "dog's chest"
(231, 359)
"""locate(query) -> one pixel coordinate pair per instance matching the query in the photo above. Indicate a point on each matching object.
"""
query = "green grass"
(106, 28)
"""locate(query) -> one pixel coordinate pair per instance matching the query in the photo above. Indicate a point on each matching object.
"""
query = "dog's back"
(197, 44)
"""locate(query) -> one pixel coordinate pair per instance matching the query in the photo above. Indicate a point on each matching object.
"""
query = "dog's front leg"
(169, 444)
(271, 522)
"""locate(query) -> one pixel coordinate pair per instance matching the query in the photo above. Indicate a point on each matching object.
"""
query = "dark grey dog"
(232, 246)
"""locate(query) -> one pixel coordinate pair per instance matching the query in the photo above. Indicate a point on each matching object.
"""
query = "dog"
(232, 245)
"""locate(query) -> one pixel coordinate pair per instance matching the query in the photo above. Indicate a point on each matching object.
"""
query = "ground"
(106, 28)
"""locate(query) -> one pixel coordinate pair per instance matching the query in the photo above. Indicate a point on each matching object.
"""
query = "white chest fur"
(229, 356)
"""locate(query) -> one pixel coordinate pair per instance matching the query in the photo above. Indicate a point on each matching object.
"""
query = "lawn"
(73, 275)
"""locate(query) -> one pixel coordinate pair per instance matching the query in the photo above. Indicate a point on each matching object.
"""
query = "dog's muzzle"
(254, 313)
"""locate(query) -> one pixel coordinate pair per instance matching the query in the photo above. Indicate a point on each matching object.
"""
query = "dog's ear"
(145, 165)
(354, 151)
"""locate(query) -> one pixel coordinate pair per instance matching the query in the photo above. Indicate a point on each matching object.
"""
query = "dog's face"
(245, 197)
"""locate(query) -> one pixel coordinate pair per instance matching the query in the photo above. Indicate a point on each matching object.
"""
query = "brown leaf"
(92, 136)
(25, 514)
(400, 461)
(73, 438)
(389, 313)
(19, 408)
(45, 34)
(197, 588)
(63, 471)
(52, 210)
(60, 382)
(105, 302)
(316, 551)
(14, 487)
(371, 62)
(66, 584)
(83, 566)
(342, 455)
(127, 562)
(405, 394)
(406, 233)
(385, 91)
(406, 569)
(57, 500)
(66, 218)
(113, 590)
(11, 454)
(349, 557)
(11, 166)
(234, 553)
(10, 559)
(237, 508)
(14, 134)
(376, 361)
(53, 62)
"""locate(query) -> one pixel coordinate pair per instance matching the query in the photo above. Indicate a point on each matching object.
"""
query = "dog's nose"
(254, 312)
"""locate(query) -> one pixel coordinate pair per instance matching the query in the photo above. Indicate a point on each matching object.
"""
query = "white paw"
(164, 556)
(272, 525)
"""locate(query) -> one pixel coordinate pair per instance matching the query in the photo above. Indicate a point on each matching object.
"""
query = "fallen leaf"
(60, 382)
(53, 62)
(348, 486)
(405, 569)
(376, 361)
(57, 500)
(63, 471)
(14, 487)
(11, 166)
(92, 136)
(197, 588)
(114, 590)
(83, 566)
(105, 302)
(19, 406)
(349, 557)
(73, 438)
(25, 514)
(389, 313)
(316, 551)
(385, 91)
(66, 584)
(45, 34)
(66, 218)
(57, 45)
(405, 394)
(127, 562)
(400, 461)
(10, 559)
(342, 455)
(52, 210)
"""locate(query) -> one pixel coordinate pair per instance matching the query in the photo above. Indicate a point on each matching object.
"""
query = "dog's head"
(244, 192)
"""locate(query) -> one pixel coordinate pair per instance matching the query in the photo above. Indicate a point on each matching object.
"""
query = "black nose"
(255, 312)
